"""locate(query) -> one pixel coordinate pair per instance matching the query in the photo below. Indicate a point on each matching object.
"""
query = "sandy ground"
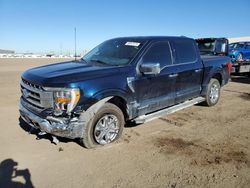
(195, 147)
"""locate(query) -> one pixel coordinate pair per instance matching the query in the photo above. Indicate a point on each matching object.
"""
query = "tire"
(213, 93)
(97, 132)
(239, 57)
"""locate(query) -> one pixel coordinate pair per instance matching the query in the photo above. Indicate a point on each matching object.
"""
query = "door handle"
(197, 70)
(172, 75)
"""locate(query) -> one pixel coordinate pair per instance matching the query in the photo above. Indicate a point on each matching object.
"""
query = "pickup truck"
(221, 47)
(130, 79)
(213, 46)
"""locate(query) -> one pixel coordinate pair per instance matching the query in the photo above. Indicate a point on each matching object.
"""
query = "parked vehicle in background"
(121, 80)
(213, 46)
(241, 67)
(239, 51)
(220, 46)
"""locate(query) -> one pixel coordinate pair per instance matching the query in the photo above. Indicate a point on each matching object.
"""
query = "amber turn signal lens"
(77, 95)
(63, 100)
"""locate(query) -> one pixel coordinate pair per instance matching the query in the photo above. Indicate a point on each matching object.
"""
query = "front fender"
(112, 92)
(236, 53)
(88, 102)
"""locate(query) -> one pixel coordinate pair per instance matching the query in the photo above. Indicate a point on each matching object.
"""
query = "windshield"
(114, 52)
(236, 45)
(206, 45)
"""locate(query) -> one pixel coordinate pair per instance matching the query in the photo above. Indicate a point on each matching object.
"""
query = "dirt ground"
(195, 147)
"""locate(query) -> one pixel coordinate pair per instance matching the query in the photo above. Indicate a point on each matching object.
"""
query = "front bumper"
(69, 129)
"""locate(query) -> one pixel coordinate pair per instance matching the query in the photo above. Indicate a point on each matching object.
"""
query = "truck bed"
(213, 59)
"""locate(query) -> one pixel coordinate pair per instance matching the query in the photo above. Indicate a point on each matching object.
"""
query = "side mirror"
(150, 68)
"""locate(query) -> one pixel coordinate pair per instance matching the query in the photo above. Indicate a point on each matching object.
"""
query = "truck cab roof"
(151, 38)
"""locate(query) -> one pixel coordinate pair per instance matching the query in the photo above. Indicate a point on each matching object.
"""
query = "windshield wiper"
(99, 61)
(84, 60)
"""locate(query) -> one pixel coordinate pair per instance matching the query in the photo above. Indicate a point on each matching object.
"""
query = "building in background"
(239, 39)
(7, 51)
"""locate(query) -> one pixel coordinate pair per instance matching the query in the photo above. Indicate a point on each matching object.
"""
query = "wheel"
(213, 92)
(105, 127)
(239, 57)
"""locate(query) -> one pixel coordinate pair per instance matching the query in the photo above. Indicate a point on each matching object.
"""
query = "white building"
(239, 39)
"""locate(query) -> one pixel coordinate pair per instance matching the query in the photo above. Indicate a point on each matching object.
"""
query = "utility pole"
(60, 48)
(75, 43)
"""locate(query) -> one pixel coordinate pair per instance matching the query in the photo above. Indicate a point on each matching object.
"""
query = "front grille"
(36, 96)
(31, 93)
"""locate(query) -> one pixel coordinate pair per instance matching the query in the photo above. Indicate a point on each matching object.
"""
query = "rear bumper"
(71, 129)
(241, 67)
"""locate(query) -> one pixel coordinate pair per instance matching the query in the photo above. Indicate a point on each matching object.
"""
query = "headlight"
(65, 100)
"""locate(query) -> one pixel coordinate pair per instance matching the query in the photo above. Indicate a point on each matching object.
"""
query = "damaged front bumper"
(71, 128)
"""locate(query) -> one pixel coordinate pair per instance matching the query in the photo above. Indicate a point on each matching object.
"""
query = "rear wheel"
(105, 127)
(213, 92)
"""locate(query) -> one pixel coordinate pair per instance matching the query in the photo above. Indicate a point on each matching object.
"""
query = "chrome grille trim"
(31, 87)
(34, 102)
(31, 106)
(36, 95)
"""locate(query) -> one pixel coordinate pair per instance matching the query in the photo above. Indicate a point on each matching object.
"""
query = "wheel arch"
(117, 97)
(217, 76)
(122, 104)
(238, 53)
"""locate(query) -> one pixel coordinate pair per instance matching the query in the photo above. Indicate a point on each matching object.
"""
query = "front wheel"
(239, 57)
(104, 127)
(213, 92)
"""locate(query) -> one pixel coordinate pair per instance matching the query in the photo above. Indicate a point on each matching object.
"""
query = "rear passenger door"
(188, 68)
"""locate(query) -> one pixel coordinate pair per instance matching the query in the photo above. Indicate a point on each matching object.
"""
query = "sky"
(43, 26)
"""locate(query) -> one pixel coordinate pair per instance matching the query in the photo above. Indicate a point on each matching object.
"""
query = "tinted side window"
(248, 45)
(158, 53)
(185, 51)
(219, 46)
(239, 45)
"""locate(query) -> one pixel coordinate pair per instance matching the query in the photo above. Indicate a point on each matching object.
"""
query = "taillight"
(229, 66)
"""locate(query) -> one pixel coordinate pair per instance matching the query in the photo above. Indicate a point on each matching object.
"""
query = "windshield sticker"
(136, 44)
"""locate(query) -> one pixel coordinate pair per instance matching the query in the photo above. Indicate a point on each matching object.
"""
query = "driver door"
(156, 91)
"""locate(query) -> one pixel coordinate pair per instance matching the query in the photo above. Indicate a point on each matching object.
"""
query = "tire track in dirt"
(201, 155)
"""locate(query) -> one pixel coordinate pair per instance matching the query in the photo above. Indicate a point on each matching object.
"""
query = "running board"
(169, 110)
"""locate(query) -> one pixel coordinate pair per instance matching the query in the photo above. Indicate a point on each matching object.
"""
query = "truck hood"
(62, 74)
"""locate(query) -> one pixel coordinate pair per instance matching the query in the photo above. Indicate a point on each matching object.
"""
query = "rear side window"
(248, 45)
(158, 53)
(220, 46)
(185, 51)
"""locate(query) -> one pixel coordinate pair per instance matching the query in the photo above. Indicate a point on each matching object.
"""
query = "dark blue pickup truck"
(130, 79)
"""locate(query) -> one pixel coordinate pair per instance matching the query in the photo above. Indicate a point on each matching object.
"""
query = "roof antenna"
(75, 43)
